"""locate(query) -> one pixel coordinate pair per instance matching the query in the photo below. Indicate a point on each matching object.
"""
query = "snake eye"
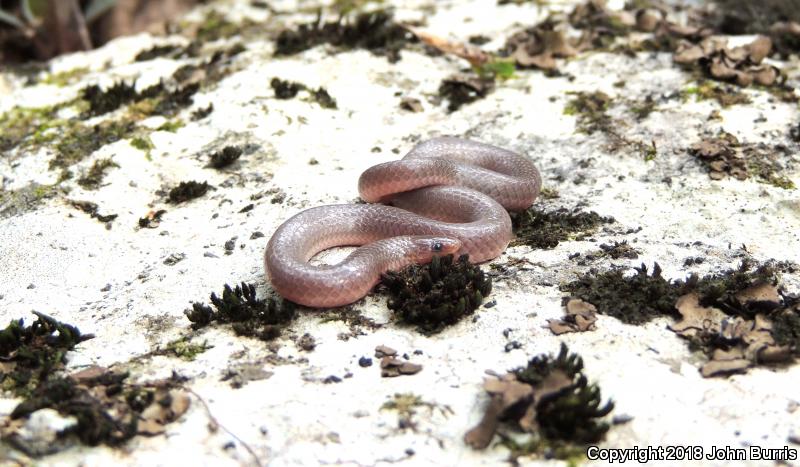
(437, 246)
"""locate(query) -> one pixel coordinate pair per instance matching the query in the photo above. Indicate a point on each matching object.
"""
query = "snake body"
(447, 195)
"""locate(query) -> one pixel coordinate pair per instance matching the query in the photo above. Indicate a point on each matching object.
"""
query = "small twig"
(217, 424)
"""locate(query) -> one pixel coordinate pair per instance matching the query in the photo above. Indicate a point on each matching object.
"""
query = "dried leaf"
(696, 318)
(720, 367)
(762, 294)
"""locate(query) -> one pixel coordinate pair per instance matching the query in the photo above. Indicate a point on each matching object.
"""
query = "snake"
(447, 195)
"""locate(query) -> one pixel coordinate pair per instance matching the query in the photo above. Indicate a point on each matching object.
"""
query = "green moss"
(64, 78)
(725, 95)
(184, 349)
(143, 143)
(497, 68)
(546, 229)
(436, 295)
(171, 125)
(94, 177)
(249, 316)
(21, 123)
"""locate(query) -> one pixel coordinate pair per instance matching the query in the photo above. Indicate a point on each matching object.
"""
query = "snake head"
(426, 247)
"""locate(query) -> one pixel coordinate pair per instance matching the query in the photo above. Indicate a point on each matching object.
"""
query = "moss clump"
(249, 316)
(436, 295)
(104, 101)
(573, 414)
(375, 31)
(95, 425)
(724, 155)
(186, 191)
(94, 177)
(786, 324)
(227, 156)
(108, 410)
(720, 290)
(641, 297)
(632, 299)
(590, 109)
(157, 99)
(540, 229)
(32, 353)
(552, 401)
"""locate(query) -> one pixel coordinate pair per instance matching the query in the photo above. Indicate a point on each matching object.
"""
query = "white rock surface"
(292, 417)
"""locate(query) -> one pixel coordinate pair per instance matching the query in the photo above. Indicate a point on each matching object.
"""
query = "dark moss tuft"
(227, 156)
(170, 103)
(540, 229)
(95, 424)
(590, 109)
(720, 290)
(786, 324)
(94, 176)
(248, 315)
(289, 89)
(375, 31)
(186, 191)
(572, 415)
(104, 101)
(437, 295)
(632, 299)
(748, 17)
(33, 352)
(202, 113)
(157, 51)
(324, 99)
(460, 90)
(285, 89)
